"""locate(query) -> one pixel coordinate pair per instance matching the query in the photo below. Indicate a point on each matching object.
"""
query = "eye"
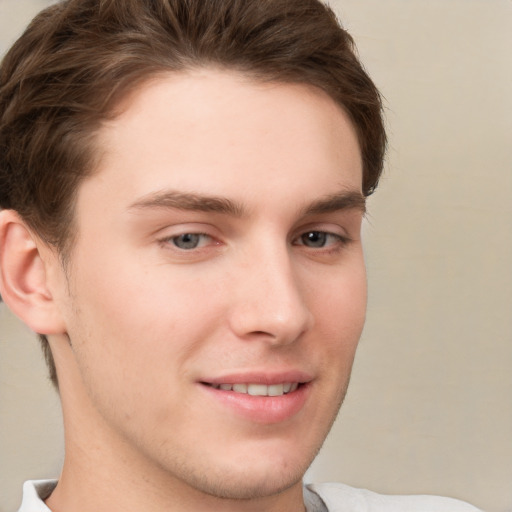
(319, 239)
(314, 239)
(188, 241)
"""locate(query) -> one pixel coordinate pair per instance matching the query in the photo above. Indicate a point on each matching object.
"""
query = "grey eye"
(187, 240)
(314, 239)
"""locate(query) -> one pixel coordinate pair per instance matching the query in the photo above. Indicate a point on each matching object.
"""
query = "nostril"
(262, 333)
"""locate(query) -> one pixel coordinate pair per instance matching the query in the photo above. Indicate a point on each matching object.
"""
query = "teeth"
(276, 390)
(259, 389)
(240, 388)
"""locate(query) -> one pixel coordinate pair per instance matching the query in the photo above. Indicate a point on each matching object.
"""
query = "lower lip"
(261, 409)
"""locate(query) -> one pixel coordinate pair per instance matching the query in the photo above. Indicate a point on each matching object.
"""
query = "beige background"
(429, 410)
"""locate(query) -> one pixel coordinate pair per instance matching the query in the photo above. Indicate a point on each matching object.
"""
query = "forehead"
(193, 131)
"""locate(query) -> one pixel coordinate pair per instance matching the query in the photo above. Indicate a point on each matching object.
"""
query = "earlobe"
(23, 276)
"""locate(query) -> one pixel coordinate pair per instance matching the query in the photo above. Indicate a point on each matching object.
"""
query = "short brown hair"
(78, 58)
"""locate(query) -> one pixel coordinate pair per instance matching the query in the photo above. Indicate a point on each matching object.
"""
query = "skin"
(274, 289)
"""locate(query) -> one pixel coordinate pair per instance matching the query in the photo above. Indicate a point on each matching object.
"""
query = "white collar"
(34, 494)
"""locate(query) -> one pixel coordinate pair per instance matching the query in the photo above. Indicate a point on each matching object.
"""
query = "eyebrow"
(188, 201)
(347, 200)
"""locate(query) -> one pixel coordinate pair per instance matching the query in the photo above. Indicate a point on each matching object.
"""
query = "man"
(183, 185)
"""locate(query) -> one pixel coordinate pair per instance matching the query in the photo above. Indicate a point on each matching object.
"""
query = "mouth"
(261, 398)
(257, 389)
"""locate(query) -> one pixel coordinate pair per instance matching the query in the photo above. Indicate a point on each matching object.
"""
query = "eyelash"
(337, 241)
(174, 238)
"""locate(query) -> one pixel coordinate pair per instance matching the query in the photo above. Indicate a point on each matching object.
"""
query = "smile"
(259, 389)
(260, 398)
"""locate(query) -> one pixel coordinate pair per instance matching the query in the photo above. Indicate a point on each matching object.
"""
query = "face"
(217, 286)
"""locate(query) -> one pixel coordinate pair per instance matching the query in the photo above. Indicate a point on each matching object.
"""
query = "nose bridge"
(270, 301)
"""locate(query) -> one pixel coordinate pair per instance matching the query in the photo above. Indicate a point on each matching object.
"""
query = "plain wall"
(429, 409)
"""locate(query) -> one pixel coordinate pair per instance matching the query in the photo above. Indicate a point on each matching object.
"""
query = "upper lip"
(260, 377)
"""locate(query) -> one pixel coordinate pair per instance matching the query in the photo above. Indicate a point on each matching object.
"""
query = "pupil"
(187, 241)
(314, 239)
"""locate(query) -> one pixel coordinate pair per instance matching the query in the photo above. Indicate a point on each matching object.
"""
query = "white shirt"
(342, 498)
(317, 497)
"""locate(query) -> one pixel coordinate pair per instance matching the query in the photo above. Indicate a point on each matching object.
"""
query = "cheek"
(134, 317)
(341, 307)
(339, 319)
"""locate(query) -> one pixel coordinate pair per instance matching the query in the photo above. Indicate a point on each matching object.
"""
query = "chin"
(249, 486)
(248, 476)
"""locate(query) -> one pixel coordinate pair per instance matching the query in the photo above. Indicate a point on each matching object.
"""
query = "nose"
(268, 300)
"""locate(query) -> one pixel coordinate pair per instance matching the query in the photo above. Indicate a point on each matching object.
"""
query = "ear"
(24, 275)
